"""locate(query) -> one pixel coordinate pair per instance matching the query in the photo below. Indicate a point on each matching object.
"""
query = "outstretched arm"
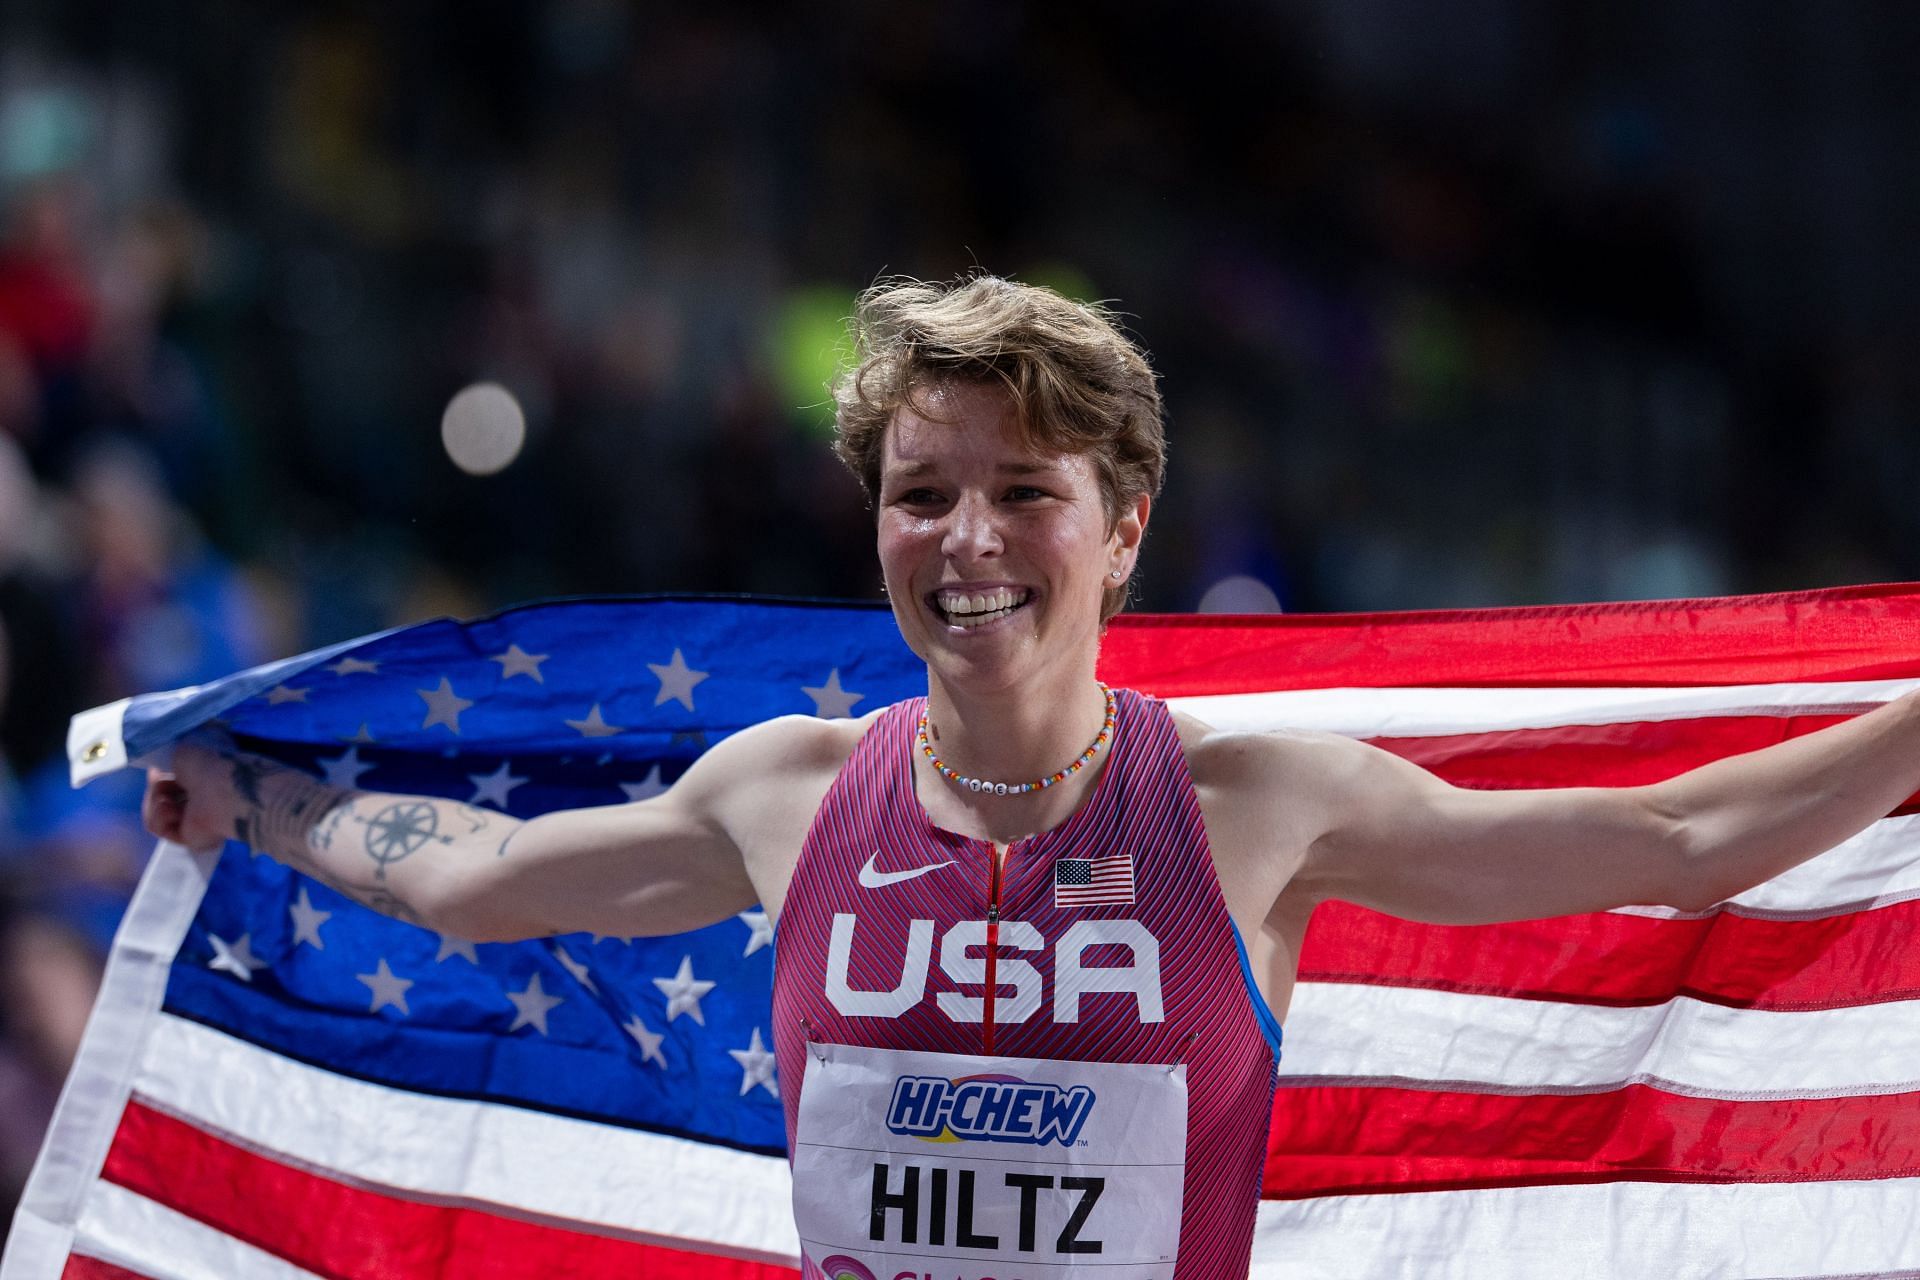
(657, 866)
(1393, 837)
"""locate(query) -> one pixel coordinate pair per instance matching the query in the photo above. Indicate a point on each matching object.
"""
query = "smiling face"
(996, 556)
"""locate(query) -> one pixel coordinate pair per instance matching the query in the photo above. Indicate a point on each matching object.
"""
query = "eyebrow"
(908, 470)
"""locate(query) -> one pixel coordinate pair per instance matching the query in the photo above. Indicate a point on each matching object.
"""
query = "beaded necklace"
(1019, 788)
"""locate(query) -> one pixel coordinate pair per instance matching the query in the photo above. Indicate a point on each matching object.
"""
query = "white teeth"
(971, 609)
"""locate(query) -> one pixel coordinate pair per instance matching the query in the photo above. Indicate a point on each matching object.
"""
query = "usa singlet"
(1020, 1065)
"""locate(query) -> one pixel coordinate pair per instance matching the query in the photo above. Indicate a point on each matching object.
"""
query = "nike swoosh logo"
(872, 877)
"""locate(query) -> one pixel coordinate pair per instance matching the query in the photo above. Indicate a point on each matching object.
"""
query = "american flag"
(1089, 882)
(277, 1083)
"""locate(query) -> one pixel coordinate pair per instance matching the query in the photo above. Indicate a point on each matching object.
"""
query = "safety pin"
(1186, 1047)
(815, 1045)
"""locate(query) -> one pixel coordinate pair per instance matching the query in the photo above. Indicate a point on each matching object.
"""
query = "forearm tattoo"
(376, 896)
(278, 806)
(323, 831)
(247, 773)
(386, 903)
(399, 831)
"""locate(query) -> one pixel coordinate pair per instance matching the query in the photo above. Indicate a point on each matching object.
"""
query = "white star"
(683, 992)
(443, 706)
(611, 937)
(648, 1040)
(454, 945)
(574, 967)
(387, 989)
(762, 930)
(593, 726)
(757, 1064)
(363, 735)
(493, 788)
(647, 788)
(236, 958)
(532, 1004)
(307, 921)
(281, 693)
(354, 666)
(676, 681)
(344, 771)
(518, 662)
(830, 701)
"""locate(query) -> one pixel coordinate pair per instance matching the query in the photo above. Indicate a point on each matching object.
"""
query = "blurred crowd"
(107, 588)
(1557, 302)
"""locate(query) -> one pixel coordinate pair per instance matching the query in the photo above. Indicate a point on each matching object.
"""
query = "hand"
(193, 804)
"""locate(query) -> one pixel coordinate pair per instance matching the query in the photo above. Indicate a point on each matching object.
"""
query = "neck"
(1014, 736)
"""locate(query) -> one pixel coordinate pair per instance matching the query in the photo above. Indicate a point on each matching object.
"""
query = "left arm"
(1393, 837)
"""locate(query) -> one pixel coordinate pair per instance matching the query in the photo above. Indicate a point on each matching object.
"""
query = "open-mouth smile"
(967, 610)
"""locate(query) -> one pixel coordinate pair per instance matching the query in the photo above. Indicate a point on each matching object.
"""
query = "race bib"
(910, 1166)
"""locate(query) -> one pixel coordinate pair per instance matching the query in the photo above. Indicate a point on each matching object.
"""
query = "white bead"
(1017, 788)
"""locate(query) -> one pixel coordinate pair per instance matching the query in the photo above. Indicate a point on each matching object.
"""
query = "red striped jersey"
(883, 944)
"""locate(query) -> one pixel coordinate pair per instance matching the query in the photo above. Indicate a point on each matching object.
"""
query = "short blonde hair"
(1078, 383)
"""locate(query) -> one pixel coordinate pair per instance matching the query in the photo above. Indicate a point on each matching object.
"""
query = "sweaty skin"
(967, 510)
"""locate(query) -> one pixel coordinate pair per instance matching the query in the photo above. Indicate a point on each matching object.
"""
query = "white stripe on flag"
(638, 1185)
(66, 1172)
(1351, 1032)
(131, 1231)
(1420, 713)
(1876, 868)
(1606, 1231)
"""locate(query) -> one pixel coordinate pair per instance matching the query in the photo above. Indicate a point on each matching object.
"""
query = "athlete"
(1035, 936)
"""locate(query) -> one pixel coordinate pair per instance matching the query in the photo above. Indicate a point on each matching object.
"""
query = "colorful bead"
(982, 786)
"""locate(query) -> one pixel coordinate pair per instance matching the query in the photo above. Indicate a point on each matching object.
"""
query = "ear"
(1128, 530)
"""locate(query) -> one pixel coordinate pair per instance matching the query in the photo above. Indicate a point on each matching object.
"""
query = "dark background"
(1478, 303)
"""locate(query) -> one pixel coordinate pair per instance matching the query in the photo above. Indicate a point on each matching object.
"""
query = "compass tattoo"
(401, 830)
(305, 824)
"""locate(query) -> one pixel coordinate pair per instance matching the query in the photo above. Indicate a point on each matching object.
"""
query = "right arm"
(656, 866)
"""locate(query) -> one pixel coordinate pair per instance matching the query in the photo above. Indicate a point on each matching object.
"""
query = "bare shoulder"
(787, 744)
(1231, 761)
(774, 764)
(1264, 796)
(764, 785)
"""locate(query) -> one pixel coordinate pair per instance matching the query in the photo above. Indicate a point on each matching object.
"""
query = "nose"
(973, 529)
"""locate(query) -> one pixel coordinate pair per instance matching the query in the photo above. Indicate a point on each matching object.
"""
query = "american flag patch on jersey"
(1087, 882)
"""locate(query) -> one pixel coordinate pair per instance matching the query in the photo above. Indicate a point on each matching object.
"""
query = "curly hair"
(1077, 382)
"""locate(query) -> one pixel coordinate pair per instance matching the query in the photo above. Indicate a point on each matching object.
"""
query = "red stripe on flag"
(1832, 962)
(1851, 633)
(81, 1267)
(334, 1229)
(1345, 1140)
(1626, 754)
(1847, 958)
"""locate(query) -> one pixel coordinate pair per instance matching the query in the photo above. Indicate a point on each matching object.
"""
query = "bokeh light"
(483, 429)
(1239, 593)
